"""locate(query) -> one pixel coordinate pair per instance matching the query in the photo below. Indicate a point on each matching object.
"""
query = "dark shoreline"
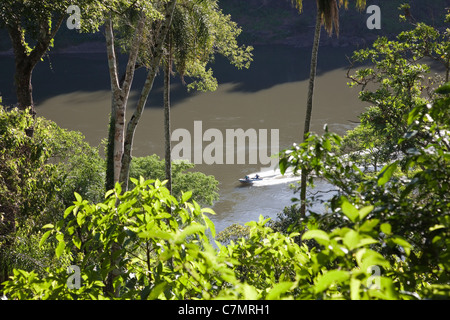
(301, 41)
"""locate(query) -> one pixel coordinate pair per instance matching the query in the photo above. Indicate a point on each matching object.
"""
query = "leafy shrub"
(39, 175)
(204, 188)
(129, 246)
(413, 204)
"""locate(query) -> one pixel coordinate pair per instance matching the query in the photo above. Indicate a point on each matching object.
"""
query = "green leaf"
(413, 115)
(44, 237)
(186, 196)
(386, 173)
(77, 241)
(349, 210)
(355, 285)
(208, 210)
(351, 239)
(283, 164)
(318, 235)
(108, 193)
(134, 181)
(60, 248)
(155, 234)
(366, 241)
(249, 292)
(367, 258)
(278, 290)
(210, 225)
(386, 228)
(403, 243)
(365, 211)
(156, 291)
(68, 211)
(189, 230)
(437, 227)
(329, 278)
(369, 225)
(79, 198)
(327, 145)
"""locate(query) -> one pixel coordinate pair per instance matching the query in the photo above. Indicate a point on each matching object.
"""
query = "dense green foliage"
(367, 247)
(410, 208)
(39, 176)
(204, 188)
(168, 256)
(397, 78)
(385, 233)
(406, 131)
(376, 247)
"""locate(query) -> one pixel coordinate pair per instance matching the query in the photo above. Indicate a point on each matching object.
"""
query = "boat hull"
(249, 181)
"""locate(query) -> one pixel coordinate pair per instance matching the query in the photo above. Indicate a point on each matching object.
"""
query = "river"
(73, 90)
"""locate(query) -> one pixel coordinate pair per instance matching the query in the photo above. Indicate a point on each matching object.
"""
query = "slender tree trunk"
(109, 179)
(168, 148)
(148, 85)
(309, 105)
(119, 130)
(120, 94)
(447, 66)
(117, 108)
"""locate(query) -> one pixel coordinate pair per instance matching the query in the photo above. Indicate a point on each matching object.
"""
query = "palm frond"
(329, 11)
(359, 4)
(298, 4)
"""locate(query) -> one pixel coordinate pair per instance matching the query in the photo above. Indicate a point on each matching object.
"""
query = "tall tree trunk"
(26, 60)
(120, 93)
(148, 85)
(309, 105)
(24, 89)
(168, 148)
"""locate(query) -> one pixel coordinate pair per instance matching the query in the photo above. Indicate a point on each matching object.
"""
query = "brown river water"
(73, 90)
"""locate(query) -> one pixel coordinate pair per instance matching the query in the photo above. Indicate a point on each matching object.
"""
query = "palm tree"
(167, 130)
(195, 35)
(327, 15)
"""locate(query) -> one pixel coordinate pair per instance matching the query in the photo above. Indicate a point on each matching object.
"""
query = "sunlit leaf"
(278, 289)
(44, 237)
(349, 210)
(386, 173)
(317, 235)
(334, 276)
(365, 211)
